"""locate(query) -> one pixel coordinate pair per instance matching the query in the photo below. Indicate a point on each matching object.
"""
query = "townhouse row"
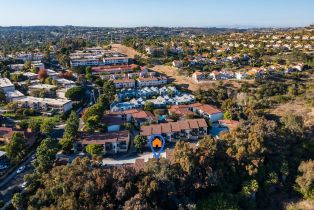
(191, 129)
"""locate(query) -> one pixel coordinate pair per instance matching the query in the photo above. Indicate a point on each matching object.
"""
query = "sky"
(176, 13)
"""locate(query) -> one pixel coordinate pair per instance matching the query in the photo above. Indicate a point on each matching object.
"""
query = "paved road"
(11, 176)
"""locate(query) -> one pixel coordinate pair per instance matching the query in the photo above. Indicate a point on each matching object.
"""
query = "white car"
(23, 185)
(20, 169)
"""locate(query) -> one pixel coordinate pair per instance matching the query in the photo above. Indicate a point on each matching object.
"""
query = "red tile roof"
(149, 130)
(139, 164)
(165, 127)
(6, 132)
(181, 109)
(209, 109)
(175, 126)
(193, 124)
(102, 138)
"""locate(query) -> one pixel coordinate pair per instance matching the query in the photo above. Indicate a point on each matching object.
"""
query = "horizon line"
(231, 26)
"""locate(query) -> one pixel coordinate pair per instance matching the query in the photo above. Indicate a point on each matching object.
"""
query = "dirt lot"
(130, 52)
(174, 76)
(187, 82)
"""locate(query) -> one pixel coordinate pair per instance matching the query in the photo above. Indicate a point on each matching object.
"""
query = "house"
(140, 117)
(198, 76)
(45, 104)
(7, 133)
(112, 142)
(6, 85)
(181, 110)
(207, 111)
(191, 129)
(114, 120)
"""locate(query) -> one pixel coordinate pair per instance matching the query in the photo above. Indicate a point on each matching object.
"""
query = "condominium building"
(112, 142)
(151, 81)
(124, 83)
(191, 129)
(97, 57)
(119, 69)
(45, 104)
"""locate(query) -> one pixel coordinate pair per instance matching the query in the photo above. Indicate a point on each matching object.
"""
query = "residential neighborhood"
(188, 105)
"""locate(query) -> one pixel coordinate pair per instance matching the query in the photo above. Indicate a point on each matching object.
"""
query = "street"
(12, 183)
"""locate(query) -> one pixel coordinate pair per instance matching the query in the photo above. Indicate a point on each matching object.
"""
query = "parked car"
(23, 185)
(33, 157)
(2, 167)
(20, 169)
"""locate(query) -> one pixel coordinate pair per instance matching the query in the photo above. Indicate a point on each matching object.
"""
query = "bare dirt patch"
(130, 52)
(175, 77)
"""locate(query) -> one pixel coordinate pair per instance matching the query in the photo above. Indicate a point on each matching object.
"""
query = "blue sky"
(125, 13)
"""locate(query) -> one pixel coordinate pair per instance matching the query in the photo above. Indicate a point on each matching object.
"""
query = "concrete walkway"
(127, 159)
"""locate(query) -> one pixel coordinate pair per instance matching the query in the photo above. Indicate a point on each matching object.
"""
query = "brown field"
(130, 52)
(177, 79)
(188, 83)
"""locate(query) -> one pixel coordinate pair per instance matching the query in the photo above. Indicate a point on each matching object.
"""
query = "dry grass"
(187, 82)
(297, 108)
(303, 204)
(173, 75)
(130, 52)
